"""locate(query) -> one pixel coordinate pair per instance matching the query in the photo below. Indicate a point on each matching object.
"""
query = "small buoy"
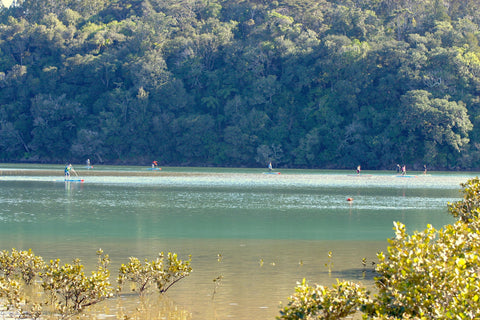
(349, 199)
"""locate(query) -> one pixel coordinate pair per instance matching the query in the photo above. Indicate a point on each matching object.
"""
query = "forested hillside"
(301, 83)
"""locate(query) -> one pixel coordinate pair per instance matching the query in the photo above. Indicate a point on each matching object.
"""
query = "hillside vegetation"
(301, 83)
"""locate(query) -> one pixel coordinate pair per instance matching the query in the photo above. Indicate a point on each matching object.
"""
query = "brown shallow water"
(257, 275)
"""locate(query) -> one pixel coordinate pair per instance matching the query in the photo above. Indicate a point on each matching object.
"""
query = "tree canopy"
(299, 83)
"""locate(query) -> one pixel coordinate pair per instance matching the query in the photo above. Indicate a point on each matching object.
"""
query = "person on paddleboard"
(359, 168)
(154, 164)
(404, 170)
(67, 170)
(270, 168)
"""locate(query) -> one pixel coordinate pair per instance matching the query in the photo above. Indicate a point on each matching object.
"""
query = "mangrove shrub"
(31, 288)
(433, 274)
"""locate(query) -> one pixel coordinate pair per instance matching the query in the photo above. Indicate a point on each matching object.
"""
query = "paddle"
(75, 172)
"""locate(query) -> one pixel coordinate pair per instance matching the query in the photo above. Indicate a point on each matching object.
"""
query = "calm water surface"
(270, 230)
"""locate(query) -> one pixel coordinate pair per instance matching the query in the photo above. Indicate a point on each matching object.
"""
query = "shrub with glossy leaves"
(433, 274)
(430, 275)
(17, 271)
(319, 302)
(70, 290)
(10, 292)
(164, 273)
(468, 210)
(20, 264)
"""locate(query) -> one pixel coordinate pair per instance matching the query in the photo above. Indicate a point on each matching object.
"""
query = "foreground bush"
(162, 272)
(67, 290)
(434, 274)
(20, 264)
(18, 270)
(324, 303)
(70, 291)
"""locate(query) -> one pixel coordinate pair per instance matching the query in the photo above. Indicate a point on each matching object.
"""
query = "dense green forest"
(301, 83)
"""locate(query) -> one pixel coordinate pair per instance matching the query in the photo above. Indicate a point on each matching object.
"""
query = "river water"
(260, 232)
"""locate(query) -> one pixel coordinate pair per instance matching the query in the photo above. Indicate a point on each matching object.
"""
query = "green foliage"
(70, 290)
(10, 291)
(319, 302)
(21, 265)
(330, 83)
(431, 274)
(467, 210)
(19, 269)
(163, 272)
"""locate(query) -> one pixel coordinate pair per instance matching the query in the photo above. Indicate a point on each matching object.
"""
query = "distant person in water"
(88, 163)
(424, 169)
(359, 168)
(270, 168)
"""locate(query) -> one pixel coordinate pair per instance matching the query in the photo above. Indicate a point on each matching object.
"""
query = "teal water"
(288, 221)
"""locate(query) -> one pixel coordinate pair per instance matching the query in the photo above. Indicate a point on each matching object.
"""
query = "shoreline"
(97, 173)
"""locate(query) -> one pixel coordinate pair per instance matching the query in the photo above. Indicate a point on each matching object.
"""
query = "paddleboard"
(154, 169)
(406, 176)
(74, 180)
(359, 175)
(88, 167)
(271, 173)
